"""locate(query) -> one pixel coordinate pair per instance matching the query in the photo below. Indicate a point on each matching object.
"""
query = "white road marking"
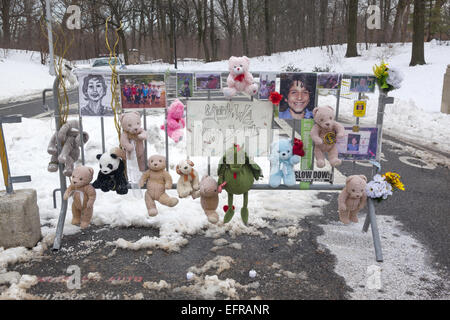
(407, 159)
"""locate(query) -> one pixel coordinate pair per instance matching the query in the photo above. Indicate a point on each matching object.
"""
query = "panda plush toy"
(111, 176)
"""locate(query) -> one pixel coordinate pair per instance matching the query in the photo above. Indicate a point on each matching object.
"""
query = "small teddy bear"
(157, 180)
(188, 183)
(209, 198)
(69, 140)
(175, 121)
(352, 198)
(282, 161)
(133, 136)
(324, 133)
(239, 79)
(83, 196)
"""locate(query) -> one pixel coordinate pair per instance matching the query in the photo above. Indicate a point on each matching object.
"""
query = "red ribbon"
(240, 77)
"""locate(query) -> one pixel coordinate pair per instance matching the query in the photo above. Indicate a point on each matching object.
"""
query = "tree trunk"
(267, 27)
(124, 45)
(6, 26)
(405, 21)
(435, 19)
(323, 21)
(380, 35)
(212, 32)
(352, 50)
(205, 27)
(418, 54)
(243, 28)
(401, 7)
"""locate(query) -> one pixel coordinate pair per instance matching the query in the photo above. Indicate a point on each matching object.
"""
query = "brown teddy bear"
(352, 198)
(209, 198)
(157, 180)
(83, 196)
(133, 136)
(324, 133)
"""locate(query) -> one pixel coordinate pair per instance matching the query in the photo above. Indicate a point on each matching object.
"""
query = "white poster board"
(213, 126)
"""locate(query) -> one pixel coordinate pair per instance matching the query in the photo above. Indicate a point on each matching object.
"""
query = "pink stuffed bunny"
(239, 79)
(175, 120)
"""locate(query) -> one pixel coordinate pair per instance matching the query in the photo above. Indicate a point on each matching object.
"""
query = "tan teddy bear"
(324, 134)
(83, 196)
(188, 183)
(209, 198)
(157, 180)
(352, 198)
(133, 136)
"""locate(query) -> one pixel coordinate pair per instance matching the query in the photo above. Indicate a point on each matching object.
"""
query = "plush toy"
(112, 173)
(352, 198)
(209, 198)
(175, 121)
(188, 183)
(297, 149)
(237, 178)
(324, 134)
(239, 79)
(133, 136)
(157, 180)
(83, 196)
(68, 138)
(282, 162)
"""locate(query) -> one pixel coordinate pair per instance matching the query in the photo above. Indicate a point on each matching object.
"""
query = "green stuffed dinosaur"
(237, 179)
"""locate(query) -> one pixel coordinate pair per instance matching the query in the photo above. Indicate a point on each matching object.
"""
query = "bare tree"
(352, 50)
(418, 54)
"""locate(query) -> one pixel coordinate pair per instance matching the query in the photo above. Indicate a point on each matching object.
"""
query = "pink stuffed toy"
(239, 79)
(175, 121)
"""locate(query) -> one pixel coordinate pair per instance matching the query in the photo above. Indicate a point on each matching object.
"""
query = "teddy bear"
(133, 136)
(175, 121)
(188, 183)
(352, 198)
(209, 198)
(157, 180)
(324, 134)
(83, 196)
(68, 138)
(239, 79)
(112, 172)
(282, 161)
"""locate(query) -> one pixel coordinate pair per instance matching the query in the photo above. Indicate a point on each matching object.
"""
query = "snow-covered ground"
(415, 115)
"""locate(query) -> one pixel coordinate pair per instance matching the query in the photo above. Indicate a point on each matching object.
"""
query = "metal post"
(145, 128)
(50, 38)
(375, 234)
(102, 125)
(5, 162)
(62, 178)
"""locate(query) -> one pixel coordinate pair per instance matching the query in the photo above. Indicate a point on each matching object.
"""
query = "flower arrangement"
(388, 79)
(382, 186)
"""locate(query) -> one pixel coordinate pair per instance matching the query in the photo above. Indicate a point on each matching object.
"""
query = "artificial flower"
(275, 97)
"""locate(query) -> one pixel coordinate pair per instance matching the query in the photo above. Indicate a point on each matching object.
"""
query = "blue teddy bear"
(282, 161)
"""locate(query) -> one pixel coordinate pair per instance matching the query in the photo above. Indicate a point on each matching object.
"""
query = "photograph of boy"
(299, 95)
(208, 81)
(185, 84)
(143, 91)
(362, 84)
(95, 96)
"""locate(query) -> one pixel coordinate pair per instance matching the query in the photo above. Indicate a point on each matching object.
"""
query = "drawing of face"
(95, 90)
(298, 96)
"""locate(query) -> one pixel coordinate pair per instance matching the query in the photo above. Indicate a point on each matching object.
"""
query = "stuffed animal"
(324, 134)
(175, 121)
(239, 79)
(157, 180)
(282, 161)
(209, 198)
(112, 173)
(237, 178)
(83, 196)
(352, 198)
(133, 136)
(298, 148)
(188, 183)
(68, 138)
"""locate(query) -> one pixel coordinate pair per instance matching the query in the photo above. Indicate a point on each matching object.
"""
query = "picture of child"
(185, 84)
(299, 92)
(266, 85)
(353, 142)
(329, 80)
(208, 81)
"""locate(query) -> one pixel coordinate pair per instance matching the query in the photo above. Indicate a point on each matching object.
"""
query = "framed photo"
(95, 94)
(331, 81)
(362, 84)
(208, 81)
(360, 145)
(185, 85)
(139, 91)
(299, 95)
(267, 84)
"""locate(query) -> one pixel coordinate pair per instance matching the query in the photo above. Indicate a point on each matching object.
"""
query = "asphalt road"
(423, 209)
